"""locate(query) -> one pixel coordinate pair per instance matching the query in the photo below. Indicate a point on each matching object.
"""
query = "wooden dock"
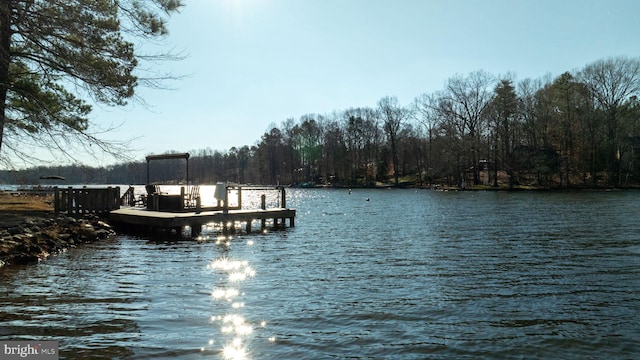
(175, 212)
(141, 217)
(161, 211)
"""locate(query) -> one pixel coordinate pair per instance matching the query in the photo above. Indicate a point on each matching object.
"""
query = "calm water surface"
(407, 275)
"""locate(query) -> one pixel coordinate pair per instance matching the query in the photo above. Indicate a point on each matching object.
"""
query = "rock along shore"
(36, 238)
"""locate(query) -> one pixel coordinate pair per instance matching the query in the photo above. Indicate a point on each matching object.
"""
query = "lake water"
(406, 275)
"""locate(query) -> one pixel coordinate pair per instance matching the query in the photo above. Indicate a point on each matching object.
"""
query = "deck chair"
(129, 197)
(152, 189)
(191, 198)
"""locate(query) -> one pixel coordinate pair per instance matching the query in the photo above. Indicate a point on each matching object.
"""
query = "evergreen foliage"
(54, 56)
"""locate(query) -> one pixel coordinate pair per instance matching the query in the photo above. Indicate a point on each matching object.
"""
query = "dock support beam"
(196, 230)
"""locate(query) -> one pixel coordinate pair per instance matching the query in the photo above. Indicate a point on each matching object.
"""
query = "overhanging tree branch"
(50, 46)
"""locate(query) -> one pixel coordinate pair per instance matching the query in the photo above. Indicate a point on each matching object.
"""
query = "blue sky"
(251, 63)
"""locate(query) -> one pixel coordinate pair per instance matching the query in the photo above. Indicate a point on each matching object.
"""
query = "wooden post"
(263, 198)
(56, 200)
(225, 209)
(116, 198)
(182, 194)
(283, 204)
(98, 202)
(69, 200)
(240, 197)
(248, 226)
(283, 200)
(196, 230)
(84, 200)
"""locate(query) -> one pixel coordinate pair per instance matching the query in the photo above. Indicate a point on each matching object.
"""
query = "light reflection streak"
(227, 294)
(232, 324)
(234, 350)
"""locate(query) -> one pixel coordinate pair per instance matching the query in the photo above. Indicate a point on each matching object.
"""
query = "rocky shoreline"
(32, 239)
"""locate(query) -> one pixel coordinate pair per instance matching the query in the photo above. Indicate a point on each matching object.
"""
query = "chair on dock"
(192, 197)
(152, 189)
(129, 198)
(151, 199)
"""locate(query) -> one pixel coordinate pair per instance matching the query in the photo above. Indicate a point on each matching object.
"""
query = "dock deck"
(159, 210)
(141, 217)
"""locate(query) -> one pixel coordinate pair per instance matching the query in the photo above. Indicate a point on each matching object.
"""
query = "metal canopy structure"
(168, 157)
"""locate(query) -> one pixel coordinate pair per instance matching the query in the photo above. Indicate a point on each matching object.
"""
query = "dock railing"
(226, 197)
(281, 201)
(80, 201)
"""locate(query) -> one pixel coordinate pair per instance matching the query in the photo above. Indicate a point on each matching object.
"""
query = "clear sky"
(252, 63)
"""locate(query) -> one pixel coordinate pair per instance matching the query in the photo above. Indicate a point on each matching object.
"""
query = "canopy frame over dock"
(168, 157)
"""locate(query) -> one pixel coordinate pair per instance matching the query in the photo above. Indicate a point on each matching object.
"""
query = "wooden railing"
(226, 197)
(128, 198)
(85, 200)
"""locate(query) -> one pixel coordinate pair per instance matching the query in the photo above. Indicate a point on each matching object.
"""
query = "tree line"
(579, 129)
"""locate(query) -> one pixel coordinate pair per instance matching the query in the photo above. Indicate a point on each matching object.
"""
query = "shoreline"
(28, 237)
(30, 231)
(434, 187)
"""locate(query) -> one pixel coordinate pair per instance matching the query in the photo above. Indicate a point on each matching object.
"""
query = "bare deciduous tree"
(612, 82)
(393, 115)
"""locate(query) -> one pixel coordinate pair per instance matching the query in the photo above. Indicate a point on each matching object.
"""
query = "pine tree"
(55, 55)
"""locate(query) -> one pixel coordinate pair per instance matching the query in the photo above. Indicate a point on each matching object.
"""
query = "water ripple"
(408, 274)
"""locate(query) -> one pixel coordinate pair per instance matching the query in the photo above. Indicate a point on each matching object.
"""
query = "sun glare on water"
(235, 329)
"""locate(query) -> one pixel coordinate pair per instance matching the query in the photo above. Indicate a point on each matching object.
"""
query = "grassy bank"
(20, 202)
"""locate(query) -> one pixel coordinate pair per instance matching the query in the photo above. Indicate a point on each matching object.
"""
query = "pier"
(160, 220)
(158, 211)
